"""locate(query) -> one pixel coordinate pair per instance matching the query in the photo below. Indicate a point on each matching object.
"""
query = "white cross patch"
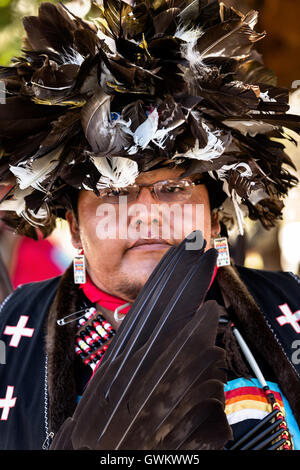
(289, 317)
(18, 331)
(7, 403)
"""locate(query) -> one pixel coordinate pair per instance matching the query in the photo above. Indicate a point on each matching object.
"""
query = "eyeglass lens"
(167, 191)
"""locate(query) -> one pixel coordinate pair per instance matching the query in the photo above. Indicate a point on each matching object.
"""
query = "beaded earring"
(221, 245)
(79, 267)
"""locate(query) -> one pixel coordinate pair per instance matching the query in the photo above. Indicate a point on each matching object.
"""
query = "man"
(159, 110)
(120, 266)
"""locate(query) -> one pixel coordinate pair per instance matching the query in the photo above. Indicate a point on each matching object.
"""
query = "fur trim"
(259, 335)
(61, 353)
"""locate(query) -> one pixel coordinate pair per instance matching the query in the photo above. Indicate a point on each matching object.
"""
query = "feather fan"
(162, 386)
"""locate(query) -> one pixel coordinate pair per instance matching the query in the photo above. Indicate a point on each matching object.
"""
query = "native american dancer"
(152, 116)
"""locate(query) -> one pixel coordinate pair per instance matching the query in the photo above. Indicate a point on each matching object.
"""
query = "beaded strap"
(275, 436)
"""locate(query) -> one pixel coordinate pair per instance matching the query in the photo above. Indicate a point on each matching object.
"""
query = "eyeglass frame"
(197, 181)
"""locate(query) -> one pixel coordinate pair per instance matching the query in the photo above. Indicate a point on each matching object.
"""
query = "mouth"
(152, 244)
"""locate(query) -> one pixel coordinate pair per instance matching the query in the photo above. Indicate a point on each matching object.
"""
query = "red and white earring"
(79, 267)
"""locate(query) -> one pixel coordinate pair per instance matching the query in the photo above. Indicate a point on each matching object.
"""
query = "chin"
(142, 266)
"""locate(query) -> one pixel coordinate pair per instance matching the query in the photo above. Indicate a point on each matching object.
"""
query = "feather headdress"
(145, 84)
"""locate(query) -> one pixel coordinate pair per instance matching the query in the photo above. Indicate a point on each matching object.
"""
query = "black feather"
(169, 336)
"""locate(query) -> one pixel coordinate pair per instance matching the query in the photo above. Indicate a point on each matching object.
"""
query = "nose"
(147, 196)
(144, 213)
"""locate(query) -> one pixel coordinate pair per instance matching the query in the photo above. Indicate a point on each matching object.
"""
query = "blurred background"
(278, 249)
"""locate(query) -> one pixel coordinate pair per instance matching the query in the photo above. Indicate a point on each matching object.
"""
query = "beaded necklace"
(92, 337)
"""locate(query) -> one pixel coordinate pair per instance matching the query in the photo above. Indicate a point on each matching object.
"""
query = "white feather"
(213, 149)
(17, 202)
(117, 172)
(37, 219)
(238, 211)
(162, 134)
(225, 168)
(233, 196)
(71, 57)
(188, 47)
(108, 41)
(257, 195)
(266, 98)
(147, 130)
(36, 171)
(144, 133)
(251, 18)
(188, 34)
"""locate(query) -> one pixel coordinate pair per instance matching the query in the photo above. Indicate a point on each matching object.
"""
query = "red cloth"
(33, 261)
(94, 294)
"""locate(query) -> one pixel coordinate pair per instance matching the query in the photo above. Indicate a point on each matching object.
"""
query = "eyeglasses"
(172, 190)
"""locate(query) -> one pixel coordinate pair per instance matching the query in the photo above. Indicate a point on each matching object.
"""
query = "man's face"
(123, 243)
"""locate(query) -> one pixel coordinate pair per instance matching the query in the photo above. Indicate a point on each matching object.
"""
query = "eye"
(114, 192)
(174, 188)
